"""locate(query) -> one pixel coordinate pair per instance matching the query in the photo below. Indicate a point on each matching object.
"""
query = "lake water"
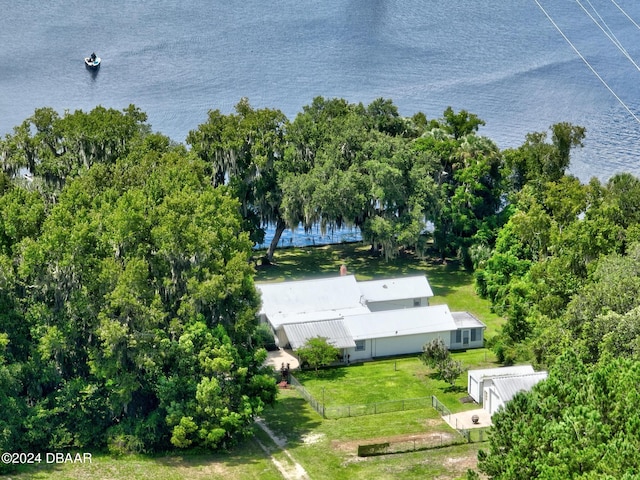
(503, 60)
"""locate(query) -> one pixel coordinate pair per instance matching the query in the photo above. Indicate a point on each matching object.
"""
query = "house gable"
(396, 293)
(476, 378)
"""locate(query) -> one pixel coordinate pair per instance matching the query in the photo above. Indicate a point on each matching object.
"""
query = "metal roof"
(304, 300)
(335, 331)
(467, 320)
(508, 386)
(416, 286)
(406, 321)
(501, 372)
(278, 319)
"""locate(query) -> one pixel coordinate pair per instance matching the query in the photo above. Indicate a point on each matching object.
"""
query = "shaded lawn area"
(245, 461)
(450, 282)
(392, 380)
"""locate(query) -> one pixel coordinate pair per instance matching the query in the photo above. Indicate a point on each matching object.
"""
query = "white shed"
(476, 378)
(499, 390)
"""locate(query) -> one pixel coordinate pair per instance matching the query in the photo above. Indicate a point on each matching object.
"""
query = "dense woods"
(127, 305)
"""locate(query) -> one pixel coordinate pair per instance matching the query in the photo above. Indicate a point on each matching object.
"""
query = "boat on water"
(92, 62)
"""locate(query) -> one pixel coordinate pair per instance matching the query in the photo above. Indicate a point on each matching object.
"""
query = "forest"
(127, 304)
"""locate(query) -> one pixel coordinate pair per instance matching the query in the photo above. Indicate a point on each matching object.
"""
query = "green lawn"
(246, 461)
(392, 380)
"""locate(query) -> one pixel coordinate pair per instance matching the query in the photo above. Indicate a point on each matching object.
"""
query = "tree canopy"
(128, 309)
(580, 423)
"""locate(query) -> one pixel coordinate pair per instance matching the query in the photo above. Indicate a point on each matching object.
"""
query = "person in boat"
(93, 57)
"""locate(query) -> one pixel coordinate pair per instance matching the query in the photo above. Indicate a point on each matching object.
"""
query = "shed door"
(465, 337)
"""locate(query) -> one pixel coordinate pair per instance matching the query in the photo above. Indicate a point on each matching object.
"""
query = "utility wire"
(593, 70)
(613, 39)
(625, 14)
(617, 42)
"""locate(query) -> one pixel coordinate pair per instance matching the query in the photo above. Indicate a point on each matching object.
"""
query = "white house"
(396, 293)
(500, 390)
(309, 300)
(364, 319)
(397, 332)
(469, 332)
(477, 378)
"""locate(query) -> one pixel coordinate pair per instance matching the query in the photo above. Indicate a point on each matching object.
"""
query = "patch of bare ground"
(462, 462)
(312, 438)
(431, 422)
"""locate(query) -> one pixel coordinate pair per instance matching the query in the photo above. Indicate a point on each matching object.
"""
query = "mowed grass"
(391, 380)
(246, 461)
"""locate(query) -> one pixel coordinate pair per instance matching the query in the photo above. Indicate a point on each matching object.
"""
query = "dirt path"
(290, 470)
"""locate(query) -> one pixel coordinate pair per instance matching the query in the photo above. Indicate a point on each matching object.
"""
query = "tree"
(348, 164)
(461, 123)
(242, 150)
(141, 308)
(468, 176)
(435, 354)
(539, 161)
(317, 352)
(56, 148)
(451, 371)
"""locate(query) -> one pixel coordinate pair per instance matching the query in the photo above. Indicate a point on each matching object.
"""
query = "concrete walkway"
(463, 419)
(278, 357)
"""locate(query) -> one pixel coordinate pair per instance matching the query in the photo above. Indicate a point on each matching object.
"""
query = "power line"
(613, 39)
(587, 63)
(625, 14)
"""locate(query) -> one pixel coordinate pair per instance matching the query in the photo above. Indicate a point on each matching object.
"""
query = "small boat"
(92, 62)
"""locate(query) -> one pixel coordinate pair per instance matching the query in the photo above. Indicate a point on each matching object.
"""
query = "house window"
(458, 336)
(474, 334)
(361, 345)
(416, 302)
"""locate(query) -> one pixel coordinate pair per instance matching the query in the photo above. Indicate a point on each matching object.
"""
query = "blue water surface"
(504, 61)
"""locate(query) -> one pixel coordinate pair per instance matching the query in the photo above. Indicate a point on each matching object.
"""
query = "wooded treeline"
(127, 305)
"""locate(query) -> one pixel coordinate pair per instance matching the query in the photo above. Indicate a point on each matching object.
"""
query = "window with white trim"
(361, 345)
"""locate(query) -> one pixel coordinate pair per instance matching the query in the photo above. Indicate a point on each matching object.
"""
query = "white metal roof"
(304, 300)
(508, 386)
(467, 320)
(334, 331)
(279, 318)
(501, 371)
(416, 286)
(406, 321)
